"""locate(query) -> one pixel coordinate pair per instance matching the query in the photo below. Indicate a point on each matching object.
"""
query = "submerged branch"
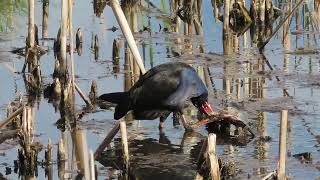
(107, 140)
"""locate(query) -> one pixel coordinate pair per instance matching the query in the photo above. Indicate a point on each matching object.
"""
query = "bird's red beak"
(206, 109)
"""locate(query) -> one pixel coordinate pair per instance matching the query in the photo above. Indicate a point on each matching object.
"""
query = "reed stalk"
(212, 157)
(282, 145)
(45, 16)
(127, 33)
(63, 37)
(31, 37)
(124, 141)
(70, 7)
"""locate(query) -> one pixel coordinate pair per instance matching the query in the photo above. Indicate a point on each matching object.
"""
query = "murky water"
(241, 83)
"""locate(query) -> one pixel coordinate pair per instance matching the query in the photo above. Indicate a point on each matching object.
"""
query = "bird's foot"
(187, 126)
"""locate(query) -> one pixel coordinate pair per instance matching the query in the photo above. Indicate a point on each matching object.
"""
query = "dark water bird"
(163, 89)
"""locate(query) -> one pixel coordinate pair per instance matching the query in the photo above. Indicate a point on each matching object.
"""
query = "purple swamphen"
(163, 89)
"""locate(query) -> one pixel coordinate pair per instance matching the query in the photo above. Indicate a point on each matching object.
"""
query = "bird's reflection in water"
(159, 158)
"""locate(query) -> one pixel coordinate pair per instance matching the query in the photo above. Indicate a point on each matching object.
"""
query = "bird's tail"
(121, 99)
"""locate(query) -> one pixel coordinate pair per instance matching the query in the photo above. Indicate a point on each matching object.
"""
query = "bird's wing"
(155, 89)
(160, 68)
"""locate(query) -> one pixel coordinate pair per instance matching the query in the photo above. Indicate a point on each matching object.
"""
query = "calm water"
(242, 83)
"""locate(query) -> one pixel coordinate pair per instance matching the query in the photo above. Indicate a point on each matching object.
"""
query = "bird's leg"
(185, 123)
(161, 123)
(176, 118)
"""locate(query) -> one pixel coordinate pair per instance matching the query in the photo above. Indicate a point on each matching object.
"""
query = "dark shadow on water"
(160, 159)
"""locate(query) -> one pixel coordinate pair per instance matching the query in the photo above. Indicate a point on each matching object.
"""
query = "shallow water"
(242, 83)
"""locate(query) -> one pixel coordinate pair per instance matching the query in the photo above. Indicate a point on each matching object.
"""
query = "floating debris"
(305, 157)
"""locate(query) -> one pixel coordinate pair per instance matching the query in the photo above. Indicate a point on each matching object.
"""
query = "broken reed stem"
(71, 46)
(198, 27)
(80, 144)
(78, 37)
(61, 151)
(11, 116)
(49, 152)
(212, 157)
(124, 141)
(28, 153)
(31, 38)
(107, 140)
(282, 145)
(215, 9)
(91, 162)
(93, 92)
(96, 47)
(63, 37)
(198, 177)
(61, 158)
(83, 96)
(268, 175)
(116, 51)
(127, 33)
(279, 26)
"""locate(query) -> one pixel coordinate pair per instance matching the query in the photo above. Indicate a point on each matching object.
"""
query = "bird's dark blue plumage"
(163, 89)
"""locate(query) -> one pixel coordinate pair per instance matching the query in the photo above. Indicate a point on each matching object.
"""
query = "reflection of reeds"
(61, 156)
(262, 145)
(128, 68)
(280, 25)
(134, 29)
(317, 12)
(96, 47)
(93, 92)
(48, 160)
(116, 55)
(226, 29)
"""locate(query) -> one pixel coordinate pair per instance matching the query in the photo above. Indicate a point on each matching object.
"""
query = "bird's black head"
(201, 102)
